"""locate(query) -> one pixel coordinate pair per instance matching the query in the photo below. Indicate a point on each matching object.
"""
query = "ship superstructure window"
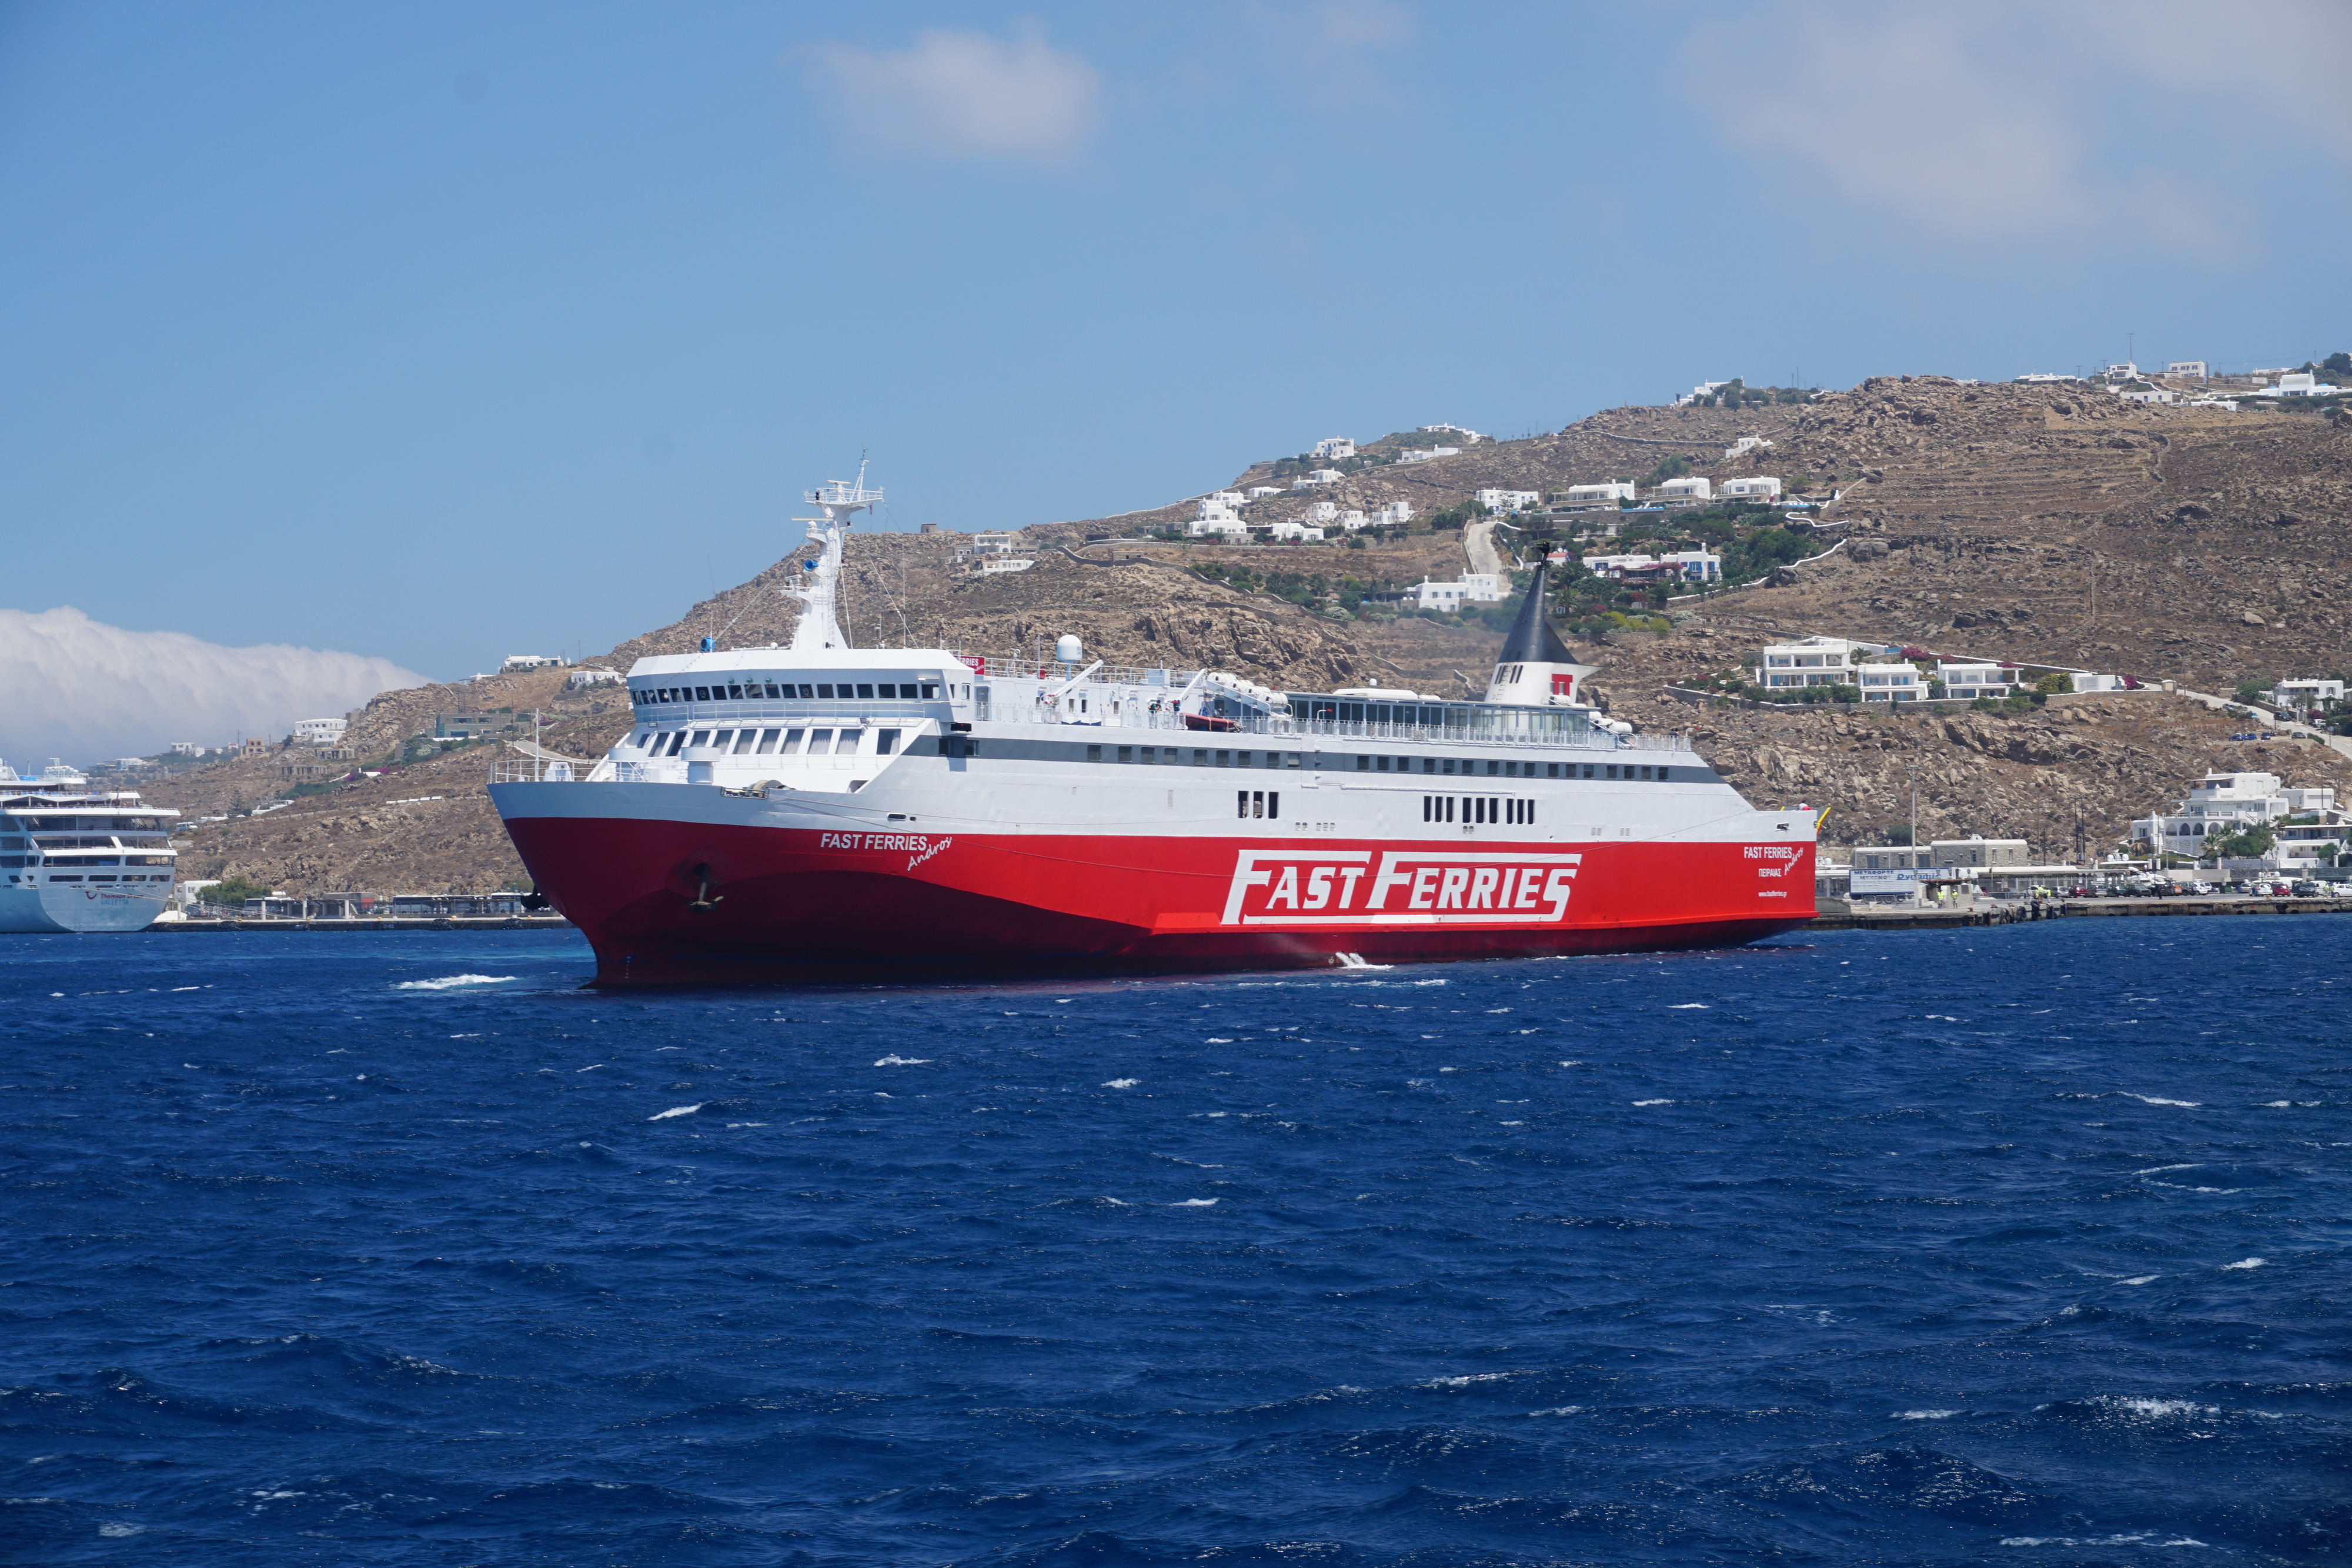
(820, 743)
(886, 742)
(676, 743)
(743, 739)
(1257, 803)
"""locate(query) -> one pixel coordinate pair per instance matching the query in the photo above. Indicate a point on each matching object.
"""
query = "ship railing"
(534, 770)
(1438, 735)
(1006, 667)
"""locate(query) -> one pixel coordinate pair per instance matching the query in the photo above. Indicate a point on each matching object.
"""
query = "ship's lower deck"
(667, 900)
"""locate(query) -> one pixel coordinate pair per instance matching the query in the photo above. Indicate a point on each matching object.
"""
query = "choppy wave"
(1369, 1278)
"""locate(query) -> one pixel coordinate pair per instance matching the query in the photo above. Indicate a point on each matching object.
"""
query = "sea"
(2020, 1245)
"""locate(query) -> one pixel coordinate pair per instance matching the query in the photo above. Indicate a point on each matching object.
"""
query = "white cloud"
(2005, 122)
(962, 95)
(85, 691)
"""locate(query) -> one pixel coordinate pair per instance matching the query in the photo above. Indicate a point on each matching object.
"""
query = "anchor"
(702, 903)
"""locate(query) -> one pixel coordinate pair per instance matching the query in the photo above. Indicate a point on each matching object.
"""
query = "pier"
(1930, 918)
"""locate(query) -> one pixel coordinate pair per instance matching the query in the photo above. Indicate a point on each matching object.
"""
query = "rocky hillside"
(2033, 524)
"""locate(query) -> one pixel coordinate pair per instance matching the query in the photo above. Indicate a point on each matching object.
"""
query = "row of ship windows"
(1496, 767)
(1478, 808)
(86, 825)
(110, 877)
(88, 860)
(753, 691)
(771, 742)
(66, 843)
(1511, 768)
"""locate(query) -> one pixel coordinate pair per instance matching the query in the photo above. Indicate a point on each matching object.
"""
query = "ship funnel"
(1535, 667)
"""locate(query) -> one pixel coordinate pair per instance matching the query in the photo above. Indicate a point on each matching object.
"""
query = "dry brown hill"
(2033, 524)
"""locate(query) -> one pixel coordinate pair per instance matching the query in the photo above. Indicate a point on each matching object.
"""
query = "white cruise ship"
(76, 859)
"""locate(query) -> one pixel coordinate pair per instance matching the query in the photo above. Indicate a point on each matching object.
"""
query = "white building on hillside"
(1756, 488)
(991, 565)
(1835, 661)
(1685, 566)
(2223, 803)
(320, 731)
(2309, 697)
(1320, 477)
(1424, 454)
(1703, 389)
(1219, 514)
(1260, 492)
(1334, 447)
(1351, 520)
(1468, 435)
(1599, 495)
(1977, 680)
(2194, 370)
(1396, 514)
(1746, 445)
(991, 544)
(1294, 531)
(1508, 500)
(517, 662)
(1320, 512)
(1690, 486)
(1474, 587)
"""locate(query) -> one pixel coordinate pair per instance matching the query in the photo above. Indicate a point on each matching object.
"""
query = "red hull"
(789, 904)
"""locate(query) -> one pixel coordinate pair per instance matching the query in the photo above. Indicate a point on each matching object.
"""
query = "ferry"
(820, 811)
(78, 859)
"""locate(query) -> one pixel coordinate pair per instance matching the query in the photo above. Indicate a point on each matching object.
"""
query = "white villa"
(1474, 588)
(321, 731)
(1756, 488)
(1423, 453)
(1334, 447)
(2223, 803)
(1979, 679)
(1690, 486)
(1600, 495)
(1294, 531)
(1690, 565)
(1320, 477)
(1836, 662)
(1746, 445)
(2306, 697)
(991, 544)
(1396, 514)
(1219, 514)
(1508, 500)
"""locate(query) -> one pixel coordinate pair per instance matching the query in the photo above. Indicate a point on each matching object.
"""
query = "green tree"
(236, 890)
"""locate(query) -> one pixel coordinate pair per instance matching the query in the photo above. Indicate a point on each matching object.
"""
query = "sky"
(430, 333)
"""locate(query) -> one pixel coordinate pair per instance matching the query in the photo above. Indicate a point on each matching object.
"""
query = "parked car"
(2309, 889)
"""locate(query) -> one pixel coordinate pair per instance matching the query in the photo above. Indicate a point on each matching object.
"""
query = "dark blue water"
(2025, 1245)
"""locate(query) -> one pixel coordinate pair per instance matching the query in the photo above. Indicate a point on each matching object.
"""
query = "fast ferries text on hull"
(820, 810)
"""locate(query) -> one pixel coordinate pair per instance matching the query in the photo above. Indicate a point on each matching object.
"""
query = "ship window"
(721, 739)
(820, 742)
(770, 688)
(702, 693)
(805, 691)
(1449, 764)
(1363, 765)
(886, 742)
(743, 739)
(1127, 753)
(791, 741)
(1493, 767)
(676, 740)
(1094, 754)
(865, 689)
(930, 691)
(735, 693)
(1225, 759)
(1448, 800)
(1200, 757)
(1241, 803)
(824, 691)
(1382, 765)
(768, 742)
